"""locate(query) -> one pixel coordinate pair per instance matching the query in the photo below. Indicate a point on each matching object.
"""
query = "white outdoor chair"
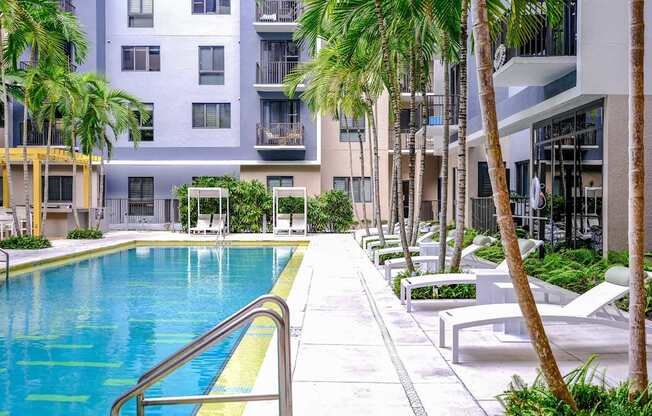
(298, 223)
(203, 224)
(480, 241)
(589, 308)
(282, 223)
(526, 247)
(6, 224)
(397, 250)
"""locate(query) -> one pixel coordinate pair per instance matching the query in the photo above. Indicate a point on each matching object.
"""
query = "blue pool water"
(73, 338)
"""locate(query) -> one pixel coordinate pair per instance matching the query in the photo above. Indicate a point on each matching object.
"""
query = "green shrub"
(464, 291)
(593, 396)
(26, 242)
(336, 211)
(493, 252)
(84, 234)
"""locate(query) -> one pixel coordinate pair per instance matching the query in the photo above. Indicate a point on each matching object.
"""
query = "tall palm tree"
(62, 29)
(443, 203)
(108, 110)
(538, 337)
(362, 175)
(638, 377)
(13, 18)
(460, 215)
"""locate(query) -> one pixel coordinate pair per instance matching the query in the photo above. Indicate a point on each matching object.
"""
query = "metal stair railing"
(243, 317)
(6, 260)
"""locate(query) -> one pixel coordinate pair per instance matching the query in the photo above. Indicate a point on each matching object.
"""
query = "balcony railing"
(558, 40)
(67, 6)
(436, 109)
(274, 72)
(137, 213)
(279, 134)
(40, 138)
(277, 11)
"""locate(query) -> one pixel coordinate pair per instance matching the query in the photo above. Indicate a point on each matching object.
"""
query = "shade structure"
(219, 222)
(289, 222)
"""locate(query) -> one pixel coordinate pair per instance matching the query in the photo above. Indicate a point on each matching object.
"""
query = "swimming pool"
(73, 337)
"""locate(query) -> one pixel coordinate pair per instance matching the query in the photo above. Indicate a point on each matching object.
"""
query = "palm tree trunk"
(46, 173)
(394, 96)
(75, 213)
(460, 215)
(5, 101)
(355, 209)
(362, 182)
(411, 142)
(90, 191)
(100, 196)
(443, 211)
(638, 377)
(520, 281)
(28, 209)
(422, 154)
(392, 200)
(376, 171)
(371, 175)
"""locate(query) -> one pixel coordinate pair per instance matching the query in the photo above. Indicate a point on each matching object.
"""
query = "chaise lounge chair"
(479, 242)
(398, 250)
(282, 223)
(203, 224)
(526, 246)
(588, 308)
(298, 224)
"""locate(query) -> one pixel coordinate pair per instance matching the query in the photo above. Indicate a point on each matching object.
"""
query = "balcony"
(279, 136)
(436, 109)
(277, 16)
(67, 6)
(548, 56)
(271, 75)
(40, 138)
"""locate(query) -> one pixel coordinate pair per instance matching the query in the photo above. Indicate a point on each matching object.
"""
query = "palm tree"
(62, 28)
(638, 377)
(443, 212)
(362, 177)
(460, 216)
(538, 337)
(13, 18)
(107, 110)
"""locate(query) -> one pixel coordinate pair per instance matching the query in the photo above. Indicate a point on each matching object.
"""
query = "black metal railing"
(436, 109)
(36, 137)
(279, 134)
(549, 40)
(483, 212)
(278, 11)
(67, 6)
(274, 72)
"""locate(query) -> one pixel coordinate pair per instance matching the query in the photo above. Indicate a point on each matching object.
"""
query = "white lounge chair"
(282, 223)
(399, 249)
(588, 308)
(203, 224)
(298, 223)
(217, 225)
(526, 246)
(479, 242)
(361, 234)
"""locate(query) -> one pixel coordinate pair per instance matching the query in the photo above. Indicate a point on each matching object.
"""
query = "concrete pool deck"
(357, 352)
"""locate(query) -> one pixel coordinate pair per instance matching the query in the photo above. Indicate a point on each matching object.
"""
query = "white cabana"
(290, 222)
(219, 222)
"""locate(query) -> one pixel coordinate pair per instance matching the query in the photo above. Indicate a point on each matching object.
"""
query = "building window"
(352, 129)
(211, 116)
(211, 65)
(360, 193)
(484, 182)
(141, 13)
(141, 58)
(523, 177)
(59, 188)
(211, 6)
(141, 196)
(146, 127)
(279, 181)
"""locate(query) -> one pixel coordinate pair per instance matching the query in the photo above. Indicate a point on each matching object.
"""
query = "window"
(523, 177)
(146, 128)
(141, 196)
(141, 13)
(341, 183)
(279, 181)
(211, 116)
(350, 127)
(484, 182)
(211, 6)
(211, 65)
(59, 188)
(141, 58)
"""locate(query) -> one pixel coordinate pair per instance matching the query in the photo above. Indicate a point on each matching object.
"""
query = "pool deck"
(357, 352)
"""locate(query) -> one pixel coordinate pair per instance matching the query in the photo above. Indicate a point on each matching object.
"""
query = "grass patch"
(463, 291)
(84, 234)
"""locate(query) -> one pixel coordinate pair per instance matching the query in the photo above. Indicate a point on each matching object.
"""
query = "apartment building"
(562, 106)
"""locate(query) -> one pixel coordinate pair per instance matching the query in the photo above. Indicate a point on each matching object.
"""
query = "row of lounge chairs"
(592, 307)
(209, 223)
(290, 223)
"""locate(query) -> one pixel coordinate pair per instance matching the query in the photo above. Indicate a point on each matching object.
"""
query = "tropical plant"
(25, 242)
(84, 234)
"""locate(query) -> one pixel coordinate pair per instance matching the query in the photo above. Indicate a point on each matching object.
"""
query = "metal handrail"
(6, 254)
(207, 340)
